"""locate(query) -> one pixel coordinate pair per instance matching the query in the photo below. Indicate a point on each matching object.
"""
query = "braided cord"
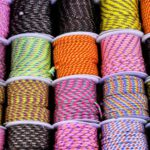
(121, 53)
(27, 136)
(75, 99)
(76, 136)
(31, 16)
(118, 14)
(75, 54)
(30, 57)
(123, 134)
(125, 96)
(76, 15)
(25, 103)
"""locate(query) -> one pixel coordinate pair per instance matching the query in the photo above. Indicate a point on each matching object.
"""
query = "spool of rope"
(123, 134)
(27, 100)
(30, 57)
(75, 99)
(30, 16)
(76, 15)
(117, 14)
(2, 98)
(124, 96)
(75, 54)
(2, 137)
(122, 54)
(76, 136)
(28, 136)
(148, 89)
(145, 13)
(4, 18)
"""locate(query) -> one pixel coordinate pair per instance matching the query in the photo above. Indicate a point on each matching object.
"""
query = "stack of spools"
(27, 114)
(125, 103)
(145, 12)
(77, 113)
(4, 30)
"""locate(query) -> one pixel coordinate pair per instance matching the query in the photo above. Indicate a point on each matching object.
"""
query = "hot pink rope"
(121, 53)
(76, 136)
(2, 138)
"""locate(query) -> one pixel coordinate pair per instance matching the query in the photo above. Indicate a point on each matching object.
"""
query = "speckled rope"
(31, 16)
(75, 99)
(76, 136)
(28, 136)
(76, 15)
(125, 96)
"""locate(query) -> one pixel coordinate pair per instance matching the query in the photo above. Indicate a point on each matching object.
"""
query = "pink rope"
(4, 18)
(2, 138)
(121, 53)
(76, 136)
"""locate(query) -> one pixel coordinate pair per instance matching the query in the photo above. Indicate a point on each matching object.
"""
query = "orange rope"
(145, 12)
(75, 54)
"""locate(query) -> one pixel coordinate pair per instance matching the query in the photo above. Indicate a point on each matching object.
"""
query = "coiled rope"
(121, 53)
(124, 96)
(76, 15)
(30, 57)
(75, 99)
(75, 54)
(2, 99)
(76, 136)
(118, 14)
(2, 138)
(28, 136)
(27, 100)
(123, 134)
(29, 16)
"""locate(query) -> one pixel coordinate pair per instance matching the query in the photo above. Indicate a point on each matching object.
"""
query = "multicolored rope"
(73, 136)
(124, 96)
(118, 14)
(75, 99)
(75, 54)
(2, 138)
(75, 15)
(28, 136)
(121, 53)
(27, 100)
(31, 16)
(31, 56)
(123, 134)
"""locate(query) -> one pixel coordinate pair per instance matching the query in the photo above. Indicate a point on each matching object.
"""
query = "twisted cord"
(76, 15)
(125, 96)
(145, 13)
(75, 99)
(27, 100)
(76, 136)
(31, 16)
(2, 99)
(28, 136)
(75, 54)
(2, 138)
(123, 134)
(4, 18)
(30, 57)
(119, 15)
(121, 53)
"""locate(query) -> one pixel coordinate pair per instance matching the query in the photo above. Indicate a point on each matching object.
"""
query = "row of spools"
(77, 116)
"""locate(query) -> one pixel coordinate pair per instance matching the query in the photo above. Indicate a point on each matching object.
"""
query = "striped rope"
(125, 96)
(4, 18)
(75, 54)
(76, 136)
(118, 14)
(28, 136)
(30, 57)
(125, 134)
(75, 99)
(27, 100)
(30, 16)
(76, 15)
(121, 53)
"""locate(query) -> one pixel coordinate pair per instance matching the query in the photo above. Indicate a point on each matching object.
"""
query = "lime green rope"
(31, 56)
